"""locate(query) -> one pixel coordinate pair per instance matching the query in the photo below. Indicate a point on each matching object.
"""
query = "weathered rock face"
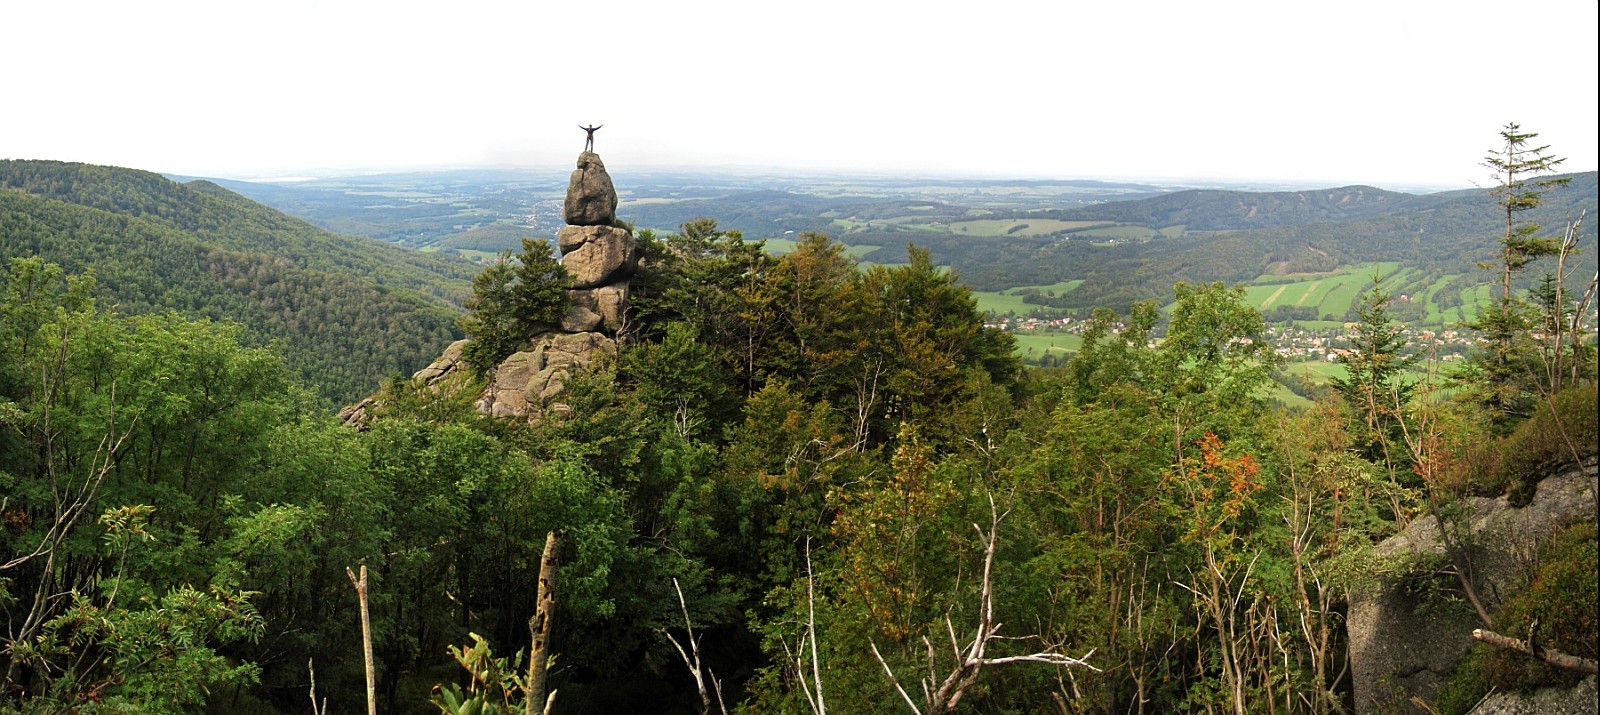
(1582, 700)
(595, 308)
(601, 258)
(1400, 648)
(444, 366)
(591, 199)
(528, 383)
(597, 255)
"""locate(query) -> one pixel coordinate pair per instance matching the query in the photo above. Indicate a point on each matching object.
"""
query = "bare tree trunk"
(366, 637)
(539, 625)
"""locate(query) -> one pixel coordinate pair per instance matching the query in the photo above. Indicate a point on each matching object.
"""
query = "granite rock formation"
(591, 199)
(1398, 650)
(601, 257)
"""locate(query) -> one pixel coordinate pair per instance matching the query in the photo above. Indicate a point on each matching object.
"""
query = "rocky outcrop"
(601, 258)
(595, 308)
(529, 383)
(591, 199)
(445, 366)
(1582, 700)
(1401, 648)
(597, 255)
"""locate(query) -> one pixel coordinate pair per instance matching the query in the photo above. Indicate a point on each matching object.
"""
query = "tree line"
(801, 486)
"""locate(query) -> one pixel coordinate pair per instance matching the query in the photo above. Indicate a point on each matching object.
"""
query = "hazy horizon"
(1384, 94)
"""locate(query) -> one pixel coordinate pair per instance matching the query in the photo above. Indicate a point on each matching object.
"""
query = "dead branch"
(971, 658)
(1549, 656)
(693, 663)
(315, 709)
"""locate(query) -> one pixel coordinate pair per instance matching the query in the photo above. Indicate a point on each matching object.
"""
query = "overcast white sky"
(1397, 92)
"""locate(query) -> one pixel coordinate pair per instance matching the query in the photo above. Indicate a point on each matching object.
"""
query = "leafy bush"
(1548, 440)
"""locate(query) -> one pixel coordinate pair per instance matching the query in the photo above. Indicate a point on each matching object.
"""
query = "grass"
(779, 246)
(1332, 294)
(784, 246)
(1009, 226)
(1008, 300)
(1120, 233)
(1036, 345)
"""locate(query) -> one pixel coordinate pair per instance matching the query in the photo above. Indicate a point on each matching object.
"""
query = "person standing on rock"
(588, 144)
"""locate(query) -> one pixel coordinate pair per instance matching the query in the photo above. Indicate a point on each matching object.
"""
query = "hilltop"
(345, 311)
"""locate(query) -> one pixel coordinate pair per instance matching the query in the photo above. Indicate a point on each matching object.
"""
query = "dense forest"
(345, 312)
(801, 485)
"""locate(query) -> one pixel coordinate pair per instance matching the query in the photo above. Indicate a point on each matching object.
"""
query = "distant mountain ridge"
(1215, 210)
(1251, 234)
(345, 311)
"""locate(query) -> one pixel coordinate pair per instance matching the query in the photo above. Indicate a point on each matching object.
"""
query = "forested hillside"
(790, 482)
(1442, 233)
(345, 312)
(835, 477)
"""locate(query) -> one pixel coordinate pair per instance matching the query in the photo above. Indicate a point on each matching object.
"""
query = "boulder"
(593, 308)
(583, 312)
(597, 255)
(591, 199)
(446, 364)
(526, 383)
(1582, 700)
(611, 301)
(1401, 648)
(356, 415)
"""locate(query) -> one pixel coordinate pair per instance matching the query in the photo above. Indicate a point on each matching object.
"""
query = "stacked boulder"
(600, 256)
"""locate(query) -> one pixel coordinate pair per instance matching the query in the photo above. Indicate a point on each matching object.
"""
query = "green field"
(1331, 293)
(1010, 226)
(778, 246)
(1008, 300)
(1036, 345)
(1119, 233)
(782, 246)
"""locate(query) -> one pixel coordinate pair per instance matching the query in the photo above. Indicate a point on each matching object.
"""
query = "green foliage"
(1510, 362)
(513, 302)
(495, 686)
(157, 655)
(1374, 387)
(1562, 431)
(1557, 590)
(345, 312)
(783, 436)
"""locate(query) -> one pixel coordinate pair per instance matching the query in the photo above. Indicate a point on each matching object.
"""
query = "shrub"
(1562, 430)
(1559, 589)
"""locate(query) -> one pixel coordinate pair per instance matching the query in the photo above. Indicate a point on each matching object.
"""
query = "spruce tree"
(512, 302)
(1506, 327)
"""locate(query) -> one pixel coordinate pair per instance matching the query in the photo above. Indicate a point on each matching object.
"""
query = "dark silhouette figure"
(588, 144)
